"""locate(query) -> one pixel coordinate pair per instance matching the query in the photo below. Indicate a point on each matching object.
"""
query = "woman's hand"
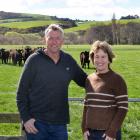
(86, 134)
(107, 137)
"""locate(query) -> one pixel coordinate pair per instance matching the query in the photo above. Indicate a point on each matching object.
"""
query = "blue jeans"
(97, 135)
(48, 132)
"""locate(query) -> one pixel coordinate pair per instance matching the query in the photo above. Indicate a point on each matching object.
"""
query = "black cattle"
(27, 52)
(19, 57)
(84, 59)
(4, 55)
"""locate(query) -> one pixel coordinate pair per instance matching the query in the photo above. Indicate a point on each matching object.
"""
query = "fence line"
(15, 118)
(81, 99)
(134, 99)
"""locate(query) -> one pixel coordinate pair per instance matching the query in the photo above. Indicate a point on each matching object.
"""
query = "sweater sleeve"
(84, 120)
(121, 98)
(23, 90)
(84, 117)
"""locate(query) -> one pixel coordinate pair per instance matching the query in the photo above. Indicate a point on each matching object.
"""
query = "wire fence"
(130, 129)
(81, 99)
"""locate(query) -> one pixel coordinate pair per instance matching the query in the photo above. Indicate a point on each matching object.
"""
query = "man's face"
(54, 41)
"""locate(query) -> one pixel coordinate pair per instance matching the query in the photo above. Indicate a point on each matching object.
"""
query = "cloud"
(93, 9)
(7, 5)
(20, 5)
(87, 3)
(75, 13)
(75, 9)
(34, 2)
(98, 12)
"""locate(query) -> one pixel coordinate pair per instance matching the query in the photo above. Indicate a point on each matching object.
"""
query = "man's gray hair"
(54, 27)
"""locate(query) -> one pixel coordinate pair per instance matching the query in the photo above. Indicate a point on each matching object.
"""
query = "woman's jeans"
(97, 135)
(48, 132)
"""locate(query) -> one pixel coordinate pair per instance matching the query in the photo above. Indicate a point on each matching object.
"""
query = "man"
(42, 94)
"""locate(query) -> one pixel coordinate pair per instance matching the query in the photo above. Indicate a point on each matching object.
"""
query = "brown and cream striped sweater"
(106, 102)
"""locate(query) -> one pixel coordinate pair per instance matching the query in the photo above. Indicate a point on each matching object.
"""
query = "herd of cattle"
(15, 56)
(19, 56)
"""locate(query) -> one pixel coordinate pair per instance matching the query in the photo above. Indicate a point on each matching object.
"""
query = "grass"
(41, 20)
(123, 21)
(87, 25)
(127, 63)
(28, 24)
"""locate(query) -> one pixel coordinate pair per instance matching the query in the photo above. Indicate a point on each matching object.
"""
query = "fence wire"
(130, 128)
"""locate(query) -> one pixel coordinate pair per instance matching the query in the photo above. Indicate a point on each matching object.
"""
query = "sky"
(98, 10)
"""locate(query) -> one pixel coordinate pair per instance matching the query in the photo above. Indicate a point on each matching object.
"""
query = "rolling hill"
(32, 23)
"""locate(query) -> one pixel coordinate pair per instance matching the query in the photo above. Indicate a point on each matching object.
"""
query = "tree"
(130, 33)
(99, 33)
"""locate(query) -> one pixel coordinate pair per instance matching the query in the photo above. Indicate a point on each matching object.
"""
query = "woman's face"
(101, 61)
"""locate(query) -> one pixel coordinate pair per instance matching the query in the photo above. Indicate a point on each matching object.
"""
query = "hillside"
(30, 23)
(33, 23)
(21, 28)
(88, 24)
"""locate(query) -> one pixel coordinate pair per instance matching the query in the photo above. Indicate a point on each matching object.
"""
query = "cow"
(4, 55)
(84, 59)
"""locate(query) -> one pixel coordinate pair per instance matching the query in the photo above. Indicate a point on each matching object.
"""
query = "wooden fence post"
(12, 118)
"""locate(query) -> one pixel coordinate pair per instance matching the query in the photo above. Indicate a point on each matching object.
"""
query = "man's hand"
(29, 126)
(86, 134)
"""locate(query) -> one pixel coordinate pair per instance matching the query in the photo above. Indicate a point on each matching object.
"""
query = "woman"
(106, 101)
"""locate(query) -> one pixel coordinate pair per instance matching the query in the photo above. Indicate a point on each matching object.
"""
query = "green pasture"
(124, 21)
(86, 25)
(126, 63)
(40, 20)
(28, 24)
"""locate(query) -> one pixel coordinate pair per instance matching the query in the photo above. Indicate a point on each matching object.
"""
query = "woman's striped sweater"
(106, 103)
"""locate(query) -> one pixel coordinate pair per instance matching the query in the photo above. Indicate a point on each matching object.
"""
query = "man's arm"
(79, 75)
(23, 90)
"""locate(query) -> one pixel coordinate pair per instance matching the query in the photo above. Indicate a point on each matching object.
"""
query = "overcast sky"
(75, 9)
